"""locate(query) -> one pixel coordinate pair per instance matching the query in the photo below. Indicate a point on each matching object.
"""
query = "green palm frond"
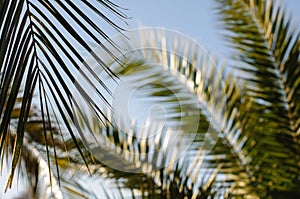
(268, 45)
(214, 165)
(267, 50)
(42, 46)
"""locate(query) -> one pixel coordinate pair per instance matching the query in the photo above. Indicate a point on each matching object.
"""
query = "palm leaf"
(42, 46)
(267, 50)
(207, 168)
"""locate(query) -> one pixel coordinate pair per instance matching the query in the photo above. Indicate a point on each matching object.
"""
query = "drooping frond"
(42, 48)
(267, 49)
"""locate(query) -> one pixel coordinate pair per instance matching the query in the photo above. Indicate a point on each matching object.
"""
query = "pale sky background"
(197, 19)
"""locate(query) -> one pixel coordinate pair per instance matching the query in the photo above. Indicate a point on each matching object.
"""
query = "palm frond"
(43, 44)
(174, 73)
(267, 53)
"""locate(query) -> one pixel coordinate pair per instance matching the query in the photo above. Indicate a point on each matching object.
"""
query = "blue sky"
(196, 19)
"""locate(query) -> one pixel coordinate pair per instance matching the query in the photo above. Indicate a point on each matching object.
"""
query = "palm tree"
(253, 110)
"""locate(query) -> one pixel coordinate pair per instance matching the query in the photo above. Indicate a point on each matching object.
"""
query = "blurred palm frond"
(266, 49)
(186, 155)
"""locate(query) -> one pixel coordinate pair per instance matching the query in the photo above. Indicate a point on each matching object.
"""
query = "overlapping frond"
(266, 48)
(42, 48)
(201, 102)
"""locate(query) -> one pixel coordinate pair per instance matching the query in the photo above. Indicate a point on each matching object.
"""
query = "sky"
(197, 19)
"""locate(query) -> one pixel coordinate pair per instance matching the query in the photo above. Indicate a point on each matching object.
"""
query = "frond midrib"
(32, 33)
(277, 61)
